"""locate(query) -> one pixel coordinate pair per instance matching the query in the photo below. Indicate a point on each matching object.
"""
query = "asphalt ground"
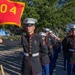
(11, 60)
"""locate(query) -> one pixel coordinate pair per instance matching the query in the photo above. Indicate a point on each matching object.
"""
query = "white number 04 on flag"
(11, 12)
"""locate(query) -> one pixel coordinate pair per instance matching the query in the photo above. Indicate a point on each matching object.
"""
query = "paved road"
(11, 59)
(59, 65)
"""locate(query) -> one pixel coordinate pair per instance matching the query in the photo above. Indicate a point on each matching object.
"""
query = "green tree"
(49, 13)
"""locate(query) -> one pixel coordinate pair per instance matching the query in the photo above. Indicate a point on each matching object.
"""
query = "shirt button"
(30, 43)
(30, 52)
(30, 37)
(30, 49)
(30, 46)
(30, 40)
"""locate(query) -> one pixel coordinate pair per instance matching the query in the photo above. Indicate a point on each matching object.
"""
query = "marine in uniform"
(64, 46)
(65, 53)
(50, 43)
(57, 48)
(44, 58)
(71, 52)
(32, 44)
(49, 39)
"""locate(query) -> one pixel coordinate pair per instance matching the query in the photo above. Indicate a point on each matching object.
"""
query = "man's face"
(30, 29)
(43, 38)
(69, 33)
(47, 33)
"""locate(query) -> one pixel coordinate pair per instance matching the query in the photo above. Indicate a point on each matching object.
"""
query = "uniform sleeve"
(64, 44)
(63, 41)
(23, 40)
(50, 50)
(68, 45)
(52, 41)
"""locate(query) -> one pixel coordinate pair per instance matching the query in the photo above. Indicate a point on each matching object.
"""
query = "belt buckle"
(30, 55)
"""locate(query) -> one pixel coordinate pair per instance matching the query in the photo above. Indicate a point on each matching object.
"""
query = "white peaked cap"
(71, 25)
(67, 30)
(46, 29)
(42, 34)
(29, 21)
(50, 31)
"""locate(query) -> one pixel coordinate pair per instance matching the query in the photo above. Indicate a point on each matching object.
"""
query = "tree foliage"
(49, 13)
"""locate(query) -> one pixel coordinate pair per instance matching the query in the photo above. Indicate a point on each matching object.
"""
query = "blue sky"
(2, 32)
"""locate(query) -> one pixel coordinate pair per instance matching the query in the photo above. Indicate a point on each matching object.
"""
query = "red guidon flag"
(11, 12)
